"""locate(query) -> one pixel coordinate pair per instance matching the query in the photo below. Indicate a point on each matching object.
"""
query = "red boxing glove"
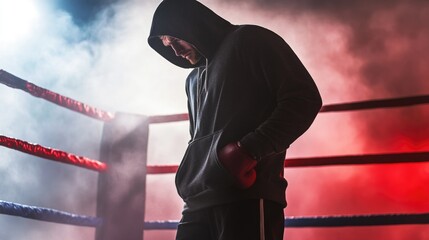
(239, 164)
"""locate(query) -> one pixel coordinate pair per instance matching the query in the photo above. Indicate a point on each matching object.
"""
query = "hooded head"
(191, 22)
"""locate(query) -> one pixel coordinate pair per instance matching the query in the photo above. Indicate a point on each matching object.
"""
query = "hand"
(239, 164)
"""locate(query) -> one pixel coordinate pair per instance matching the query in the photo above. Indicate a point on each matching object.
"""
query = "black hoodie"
(248, 87)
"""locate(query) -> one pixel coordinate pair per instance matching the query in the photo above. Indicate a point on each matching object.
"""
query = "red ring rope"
(380, 103)
(16, 82)
(52, 154)
(328, 161)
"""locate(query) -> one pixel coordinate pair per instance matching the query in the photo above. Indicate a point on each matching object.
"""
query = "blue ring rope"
(51, 215)
(357, 220)
(48, 215)
(325, 221)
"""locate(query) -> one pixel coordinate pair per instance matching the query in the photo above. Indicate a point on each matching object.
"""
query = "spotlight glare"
(17, 19)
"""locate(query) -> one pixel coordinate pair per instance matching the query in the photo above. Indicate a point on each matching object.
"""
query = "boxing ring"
(122, 169)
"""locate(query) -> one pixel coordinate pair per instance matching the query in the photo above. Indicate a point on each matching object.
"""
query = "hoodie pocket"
(200, 169)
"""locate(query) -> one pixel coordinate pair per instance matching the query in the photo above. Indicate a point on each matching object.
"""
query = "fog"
(98, 54)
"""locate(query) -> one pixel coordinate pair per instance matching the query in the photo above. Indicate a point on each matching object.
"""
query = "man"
(249, 98)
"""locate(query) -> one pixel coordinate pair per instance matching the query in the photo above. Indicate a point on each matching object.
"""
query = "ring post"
(121, 189)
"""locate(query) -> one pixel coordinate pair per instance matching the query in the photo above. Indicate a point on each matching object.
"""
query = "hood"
(189, 21)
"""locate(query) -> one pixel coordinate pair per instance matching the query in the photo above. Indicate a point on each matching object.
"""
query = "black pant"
(254, 219)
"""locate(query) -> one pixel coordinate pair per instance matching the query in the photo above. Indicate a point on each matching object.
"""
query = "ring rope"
(161, 169)
(361, 105)
(327, 161)
(48, 215)
(52, 154)
(358, 220)
(52, 215)
(168, 118)
(16, 82)
(325, 221)
(381, 103)
(359, 159)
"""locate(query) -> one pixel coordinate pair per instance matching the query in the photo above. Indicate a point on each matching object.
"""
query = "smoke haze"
(98, 54)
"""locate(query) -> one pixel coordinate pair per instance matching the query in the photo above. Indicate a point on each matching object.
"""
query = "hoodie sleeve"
(297, 98)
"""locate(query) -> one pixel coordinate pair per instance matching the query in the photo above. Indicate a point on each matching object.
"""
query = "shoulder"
(248, 28)
(250, 37)
(257, 40)
(249, 32)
